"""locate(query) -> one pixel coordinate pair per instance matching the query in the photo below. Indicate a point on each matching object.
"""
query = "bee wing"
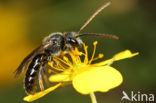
(27, 59)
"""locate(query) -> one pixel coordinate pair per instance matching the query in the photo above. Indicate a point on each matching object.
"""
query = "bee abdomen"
(32, 74)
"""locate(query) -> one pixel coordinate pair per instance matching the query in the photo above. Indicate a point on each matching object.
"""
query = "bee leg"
(41, 80)
(44, 74)
(45, 78)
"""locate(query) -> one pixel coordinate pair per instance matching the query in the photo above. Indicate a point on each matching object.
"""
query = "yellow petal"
(64, 76)
(122, 55)
(38, 95)
(102, 78)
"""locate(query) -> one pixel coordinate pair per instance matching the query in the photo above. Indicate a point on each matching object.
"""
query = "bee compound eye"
(73, 42)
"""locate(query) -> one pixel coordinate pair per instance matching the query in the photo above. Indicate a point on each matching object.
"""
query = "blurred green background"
(23, 24)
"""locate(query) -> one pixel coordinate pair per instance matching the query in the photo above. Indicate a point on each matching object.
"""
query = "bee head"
(71, 40)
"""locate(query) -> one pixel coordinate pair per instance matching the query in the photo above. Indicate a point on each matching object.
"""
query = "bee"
(52, 45)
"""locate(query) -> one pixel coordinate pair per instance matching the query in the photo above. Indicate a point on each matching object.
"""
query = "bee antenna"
(92, 17)
(100, 35)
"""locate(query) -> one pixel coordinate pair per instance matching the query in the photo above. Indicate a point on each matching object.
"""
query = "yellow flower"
(85, 77)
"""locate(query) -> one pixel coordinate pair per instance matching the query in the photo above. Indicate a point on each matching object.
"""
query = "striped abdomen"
(32, 73)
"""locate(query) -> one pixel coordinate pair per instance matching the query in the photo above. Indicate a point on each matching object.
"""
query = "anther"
(100, 55)
(95, 43)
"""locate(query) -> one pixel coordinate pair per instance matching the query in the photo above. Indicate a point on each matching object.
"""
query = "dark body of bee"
(52, 45)
(32, 73)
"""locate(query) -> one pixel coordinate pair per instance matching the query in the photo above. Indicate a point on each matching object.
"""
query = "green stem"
(93, 97)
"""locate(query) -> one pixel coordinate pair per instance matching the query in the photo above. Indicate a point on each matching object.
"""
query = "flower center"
(75, 63)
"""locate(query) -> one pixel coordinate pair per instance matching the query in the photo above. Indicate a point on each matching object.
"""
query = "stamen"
(67, 60)
(77, 52)
(63, 61)
(86, 54)
(99, 56)
(52, 71)
(77, 55)
(95, 43)
(62, 67)
(59, 69)
(79, 59)
(73, 58)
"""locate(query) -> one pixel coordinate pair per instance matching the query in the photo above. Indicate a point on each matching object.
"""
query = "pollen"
(101, 55)
(95, 43)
